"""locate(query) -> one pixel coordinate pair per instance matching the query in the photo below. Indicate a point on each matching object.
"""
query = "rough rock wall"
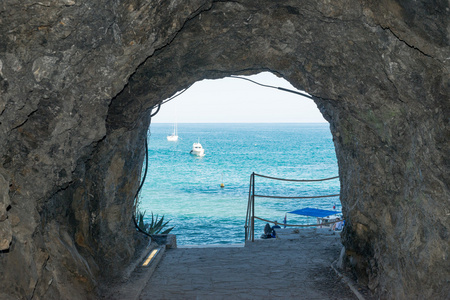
(66, 198)
(78, 81)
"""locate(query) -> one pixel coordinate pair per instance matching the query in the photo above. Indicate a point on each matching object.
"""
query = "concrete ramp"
(294, 266)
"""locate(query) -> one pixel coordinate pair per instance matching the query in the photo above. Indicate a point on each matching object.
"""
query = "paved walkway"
(295, 266)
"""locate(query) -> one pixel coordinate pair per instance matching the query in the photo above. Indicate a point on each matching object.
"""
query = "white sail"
(174, 136)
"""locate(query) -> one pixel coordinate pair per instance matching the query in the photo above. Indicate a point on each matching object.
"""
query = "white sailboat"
(174, 136)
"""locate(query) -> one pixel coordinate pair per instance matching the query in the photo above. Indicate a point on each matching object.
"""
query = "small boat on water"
(174, 136)
(197, 150)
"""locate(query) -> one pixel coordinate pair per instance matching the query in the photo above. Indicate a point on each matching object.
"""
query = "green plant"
(155, 226)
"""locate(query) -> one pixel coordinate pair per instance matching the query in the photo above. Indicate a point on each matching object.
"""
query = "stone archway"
(78, 82)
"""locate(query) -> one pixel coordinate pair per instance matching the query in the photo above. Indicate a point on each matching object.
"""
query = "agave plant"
(155, 226)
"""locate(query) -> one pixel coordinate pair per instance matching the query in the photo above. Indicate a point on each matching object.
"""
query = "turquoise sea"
(186, 189)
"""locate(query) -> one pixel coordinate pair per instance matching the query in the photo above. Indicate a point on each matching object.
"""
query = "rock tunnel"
(79, 80)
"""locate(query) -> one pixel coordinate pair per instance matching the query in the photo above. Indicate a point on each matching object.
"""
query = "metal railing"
(250, 217)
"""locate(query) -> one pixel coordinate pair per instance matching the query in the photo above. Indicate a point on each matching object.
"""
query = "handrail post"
(253, 207)
(253, 221)
(249, 210)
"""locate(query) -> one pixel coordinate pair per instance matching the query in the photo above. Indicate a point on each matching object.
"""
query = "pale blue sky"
(232, 100)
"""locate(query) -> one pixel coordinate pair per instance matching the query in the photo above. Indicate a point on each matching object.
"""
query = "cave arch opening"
(259, 130)
(71, 142)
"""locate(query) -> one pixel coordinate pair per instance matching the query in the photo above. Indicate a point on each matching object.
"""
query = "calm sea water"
(186, 189)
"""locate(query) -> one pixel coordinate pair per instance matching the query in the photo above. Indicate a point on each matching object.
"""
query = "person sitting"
(338, 225)
(268, 232)
(276, 225)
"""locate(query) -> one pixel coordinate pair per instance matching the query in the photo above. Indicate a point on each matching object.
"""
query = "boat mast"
(176, 122)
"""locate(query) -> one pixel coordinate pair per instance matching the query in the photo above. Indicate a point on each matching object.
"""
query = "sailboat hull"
(172, 138)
